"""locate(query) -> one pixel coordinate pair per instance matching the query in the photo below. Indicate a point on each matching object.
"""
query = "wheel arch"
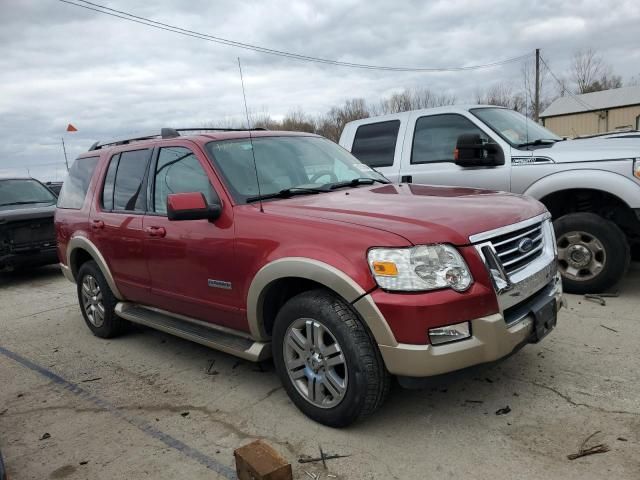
(279, 280)
(586, 179)
(79, 250)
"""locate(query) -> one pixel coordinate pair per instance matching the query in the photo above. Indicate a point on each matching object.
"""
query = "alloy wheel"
(315, 363)
(92, 301)
(581, 256)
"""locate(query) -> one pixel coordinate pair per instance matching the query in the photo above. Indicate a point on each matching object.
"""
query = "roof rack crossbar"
(166, 133)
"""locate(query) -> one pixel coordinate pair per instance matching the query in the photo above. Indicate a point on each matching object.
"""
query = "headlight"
(636, 168)
(425, 267)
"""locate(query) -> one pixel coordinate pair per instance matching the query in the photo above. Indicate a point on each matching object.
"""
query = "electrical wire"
(564, 89)
(256, 48)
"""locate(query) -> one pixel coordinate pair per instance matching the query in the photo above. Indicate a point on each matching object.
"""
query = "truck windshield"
(515, 128)
(287, 165)
(23, 192)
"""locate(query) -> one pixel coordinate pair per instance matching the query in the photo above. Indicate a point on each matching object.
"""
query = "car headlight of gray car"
(419, 268)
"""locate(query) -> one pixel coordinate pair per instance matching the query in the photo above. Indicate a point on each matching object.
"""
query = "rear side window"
(124, 182)
(375, 144)
(179, 171)
(74, 188)
(435, 137)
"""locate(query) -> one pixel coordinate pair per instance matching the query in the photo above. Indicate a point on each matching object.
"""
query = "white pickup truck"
(591, 186)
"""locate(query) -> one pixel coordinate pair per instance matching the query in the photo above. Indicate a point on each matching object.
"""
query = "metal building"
(592, 113)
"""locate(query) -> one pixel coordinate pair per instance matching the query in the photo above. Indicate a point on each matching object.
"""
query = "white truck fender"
(620, 186)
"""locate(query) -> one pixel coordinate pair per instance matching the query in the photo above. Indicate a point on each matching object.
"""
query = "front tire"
(327, 360)
(97, 302)
(593, 253)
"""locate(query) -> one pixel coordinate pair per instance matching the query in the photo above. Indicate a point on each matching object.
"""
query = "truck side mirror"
(471, 151)
(191, 206)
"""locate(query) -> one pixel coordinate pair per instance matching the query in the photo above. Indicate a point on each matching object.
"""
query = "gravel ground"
(148, 405)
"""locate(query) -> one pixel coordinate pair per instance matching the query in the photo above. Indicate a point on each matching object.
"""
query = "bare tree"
(331, 124)
(591, 74)
(504, 95)
(412, 100)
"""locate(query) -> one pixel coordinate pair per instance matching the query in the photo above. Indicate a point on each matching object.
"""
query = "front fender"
(317, 271)
(615, 184)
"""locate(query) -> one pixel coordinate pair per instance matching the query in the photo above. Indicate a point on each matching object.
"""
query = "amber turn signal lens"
(387, 269)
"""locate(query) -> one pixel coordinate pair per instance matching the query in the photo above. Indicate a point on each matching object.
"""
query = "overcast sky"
(62, 64)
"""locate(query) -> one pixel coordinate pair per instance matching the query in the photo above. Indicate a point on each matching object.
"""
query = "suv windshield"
(287, 166)
(515, 128)
(23, 192)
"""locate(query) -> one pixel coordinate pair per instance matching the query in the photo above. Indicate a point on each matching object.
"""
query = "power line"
(256, 48)
(564, 89)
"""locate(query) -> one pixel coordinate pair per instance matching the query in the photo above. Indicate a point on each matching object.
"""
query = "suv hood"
(10, 213)
(589, 150)
(419, 213)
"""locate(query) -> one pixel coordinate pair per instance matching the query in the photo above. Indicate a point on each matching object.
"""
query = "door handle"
(97, 224)
(155, 231)
(406, 179)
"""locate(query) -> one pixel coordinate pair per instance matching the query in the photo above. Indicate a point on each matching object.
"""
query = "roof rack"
(166, 133)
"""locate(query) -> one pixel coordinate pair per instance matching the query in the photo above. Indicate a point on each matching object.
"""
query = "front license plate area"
(545, 319)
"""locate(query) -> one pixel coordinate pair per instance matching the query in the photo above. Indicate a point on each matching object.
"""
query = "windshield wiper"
(22, 203)
(287, 192)
(539, 141)
(355, 182)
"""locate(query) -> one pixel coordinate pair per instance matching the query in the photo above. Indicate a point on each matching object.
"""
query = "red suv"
(282, 244)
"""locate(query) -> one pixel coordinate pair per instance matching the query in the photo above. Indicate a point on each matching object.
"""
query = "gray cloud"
(61, 64)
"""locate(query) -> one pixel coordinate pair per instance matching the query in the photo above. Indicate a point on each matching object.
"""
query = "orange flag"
(71, 128)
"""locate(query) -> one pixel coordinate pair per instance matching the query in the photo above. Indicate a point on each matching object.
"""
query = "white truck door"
(377, 143)
(429, 143)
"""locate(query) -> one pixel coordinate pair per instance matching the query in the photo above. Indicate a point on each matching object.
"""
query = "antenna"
(253, 152)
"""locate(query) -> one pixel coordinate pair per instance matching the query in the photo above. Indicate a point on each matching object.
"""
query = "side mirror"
(471, 151)
(191, 206)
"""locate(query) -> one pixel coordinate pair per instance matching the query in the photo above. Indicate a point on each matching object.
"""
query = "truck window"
(178, 171)
(75, 187)
(375, 143)
(109, 181)
(435, 137)
(128, 194)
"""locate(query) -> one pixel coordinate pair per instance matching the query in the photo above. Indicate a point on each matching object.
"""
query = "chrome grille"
(519, 248)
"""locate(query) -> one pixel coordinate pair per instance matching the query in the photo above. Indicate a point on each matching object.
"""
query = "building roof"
(587, 102)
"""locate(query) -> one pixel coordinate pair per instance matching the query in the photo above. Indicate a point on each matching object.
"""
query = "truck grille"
(519, 248)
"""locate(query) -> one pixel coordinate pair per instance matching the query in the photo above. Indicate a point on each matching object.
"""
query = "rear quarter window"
(75, 187)
(375, 143)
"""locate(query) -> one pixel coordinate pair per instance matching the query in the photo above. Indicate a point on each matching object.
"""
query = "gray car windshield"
(293, 164)
(24, 191)
(514, 127)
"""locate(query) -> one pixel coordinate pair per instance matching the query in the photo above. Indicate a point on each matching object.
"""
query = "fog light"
(450, 333)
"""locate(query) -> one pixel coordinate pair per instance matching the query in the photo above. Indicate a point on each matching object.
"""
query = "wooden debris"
(259, 461)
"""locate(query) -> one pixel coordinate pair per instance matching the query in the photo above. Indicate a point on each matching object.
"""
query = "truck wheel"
(326, 359)
(593, 253)
(98, 303)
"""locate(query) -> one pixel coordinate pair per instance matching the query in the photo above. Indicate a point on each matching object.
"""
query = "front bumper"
(37, 258)
(492, 338)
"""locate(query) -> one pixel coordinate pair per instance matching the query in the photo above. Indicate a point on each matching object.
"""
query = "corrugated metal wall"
(593, 122)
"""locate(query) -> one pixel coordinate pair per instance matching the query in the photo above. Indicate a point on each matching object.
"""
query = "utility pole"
(66, 162)
(537, 99)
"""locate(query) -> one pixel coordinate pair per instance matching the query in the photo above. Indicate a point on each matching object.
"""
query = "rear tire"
(593, 253)
(98, 303)
(327, 361)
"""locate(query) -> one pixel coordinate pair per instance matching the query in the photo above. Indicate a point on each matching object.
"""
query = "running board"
(214, 336)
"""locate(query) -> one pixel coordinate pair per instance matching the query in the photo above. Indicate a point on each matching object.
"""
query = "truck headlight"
(636, 168)
(420, 268)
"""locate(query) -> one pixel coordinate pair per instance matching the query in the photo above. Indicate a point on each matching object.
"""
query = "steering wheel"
(332, 176)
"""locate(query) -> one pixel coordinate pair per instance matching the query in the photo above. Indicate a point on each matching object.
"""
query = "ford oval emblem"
(525, 245)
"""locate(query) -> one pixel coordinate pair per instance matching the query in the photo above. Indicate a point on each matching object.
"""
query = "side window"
(375, 144)
(109, 183)
(128, 194)
(179, 171)
(75, 187)
(435, 137)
